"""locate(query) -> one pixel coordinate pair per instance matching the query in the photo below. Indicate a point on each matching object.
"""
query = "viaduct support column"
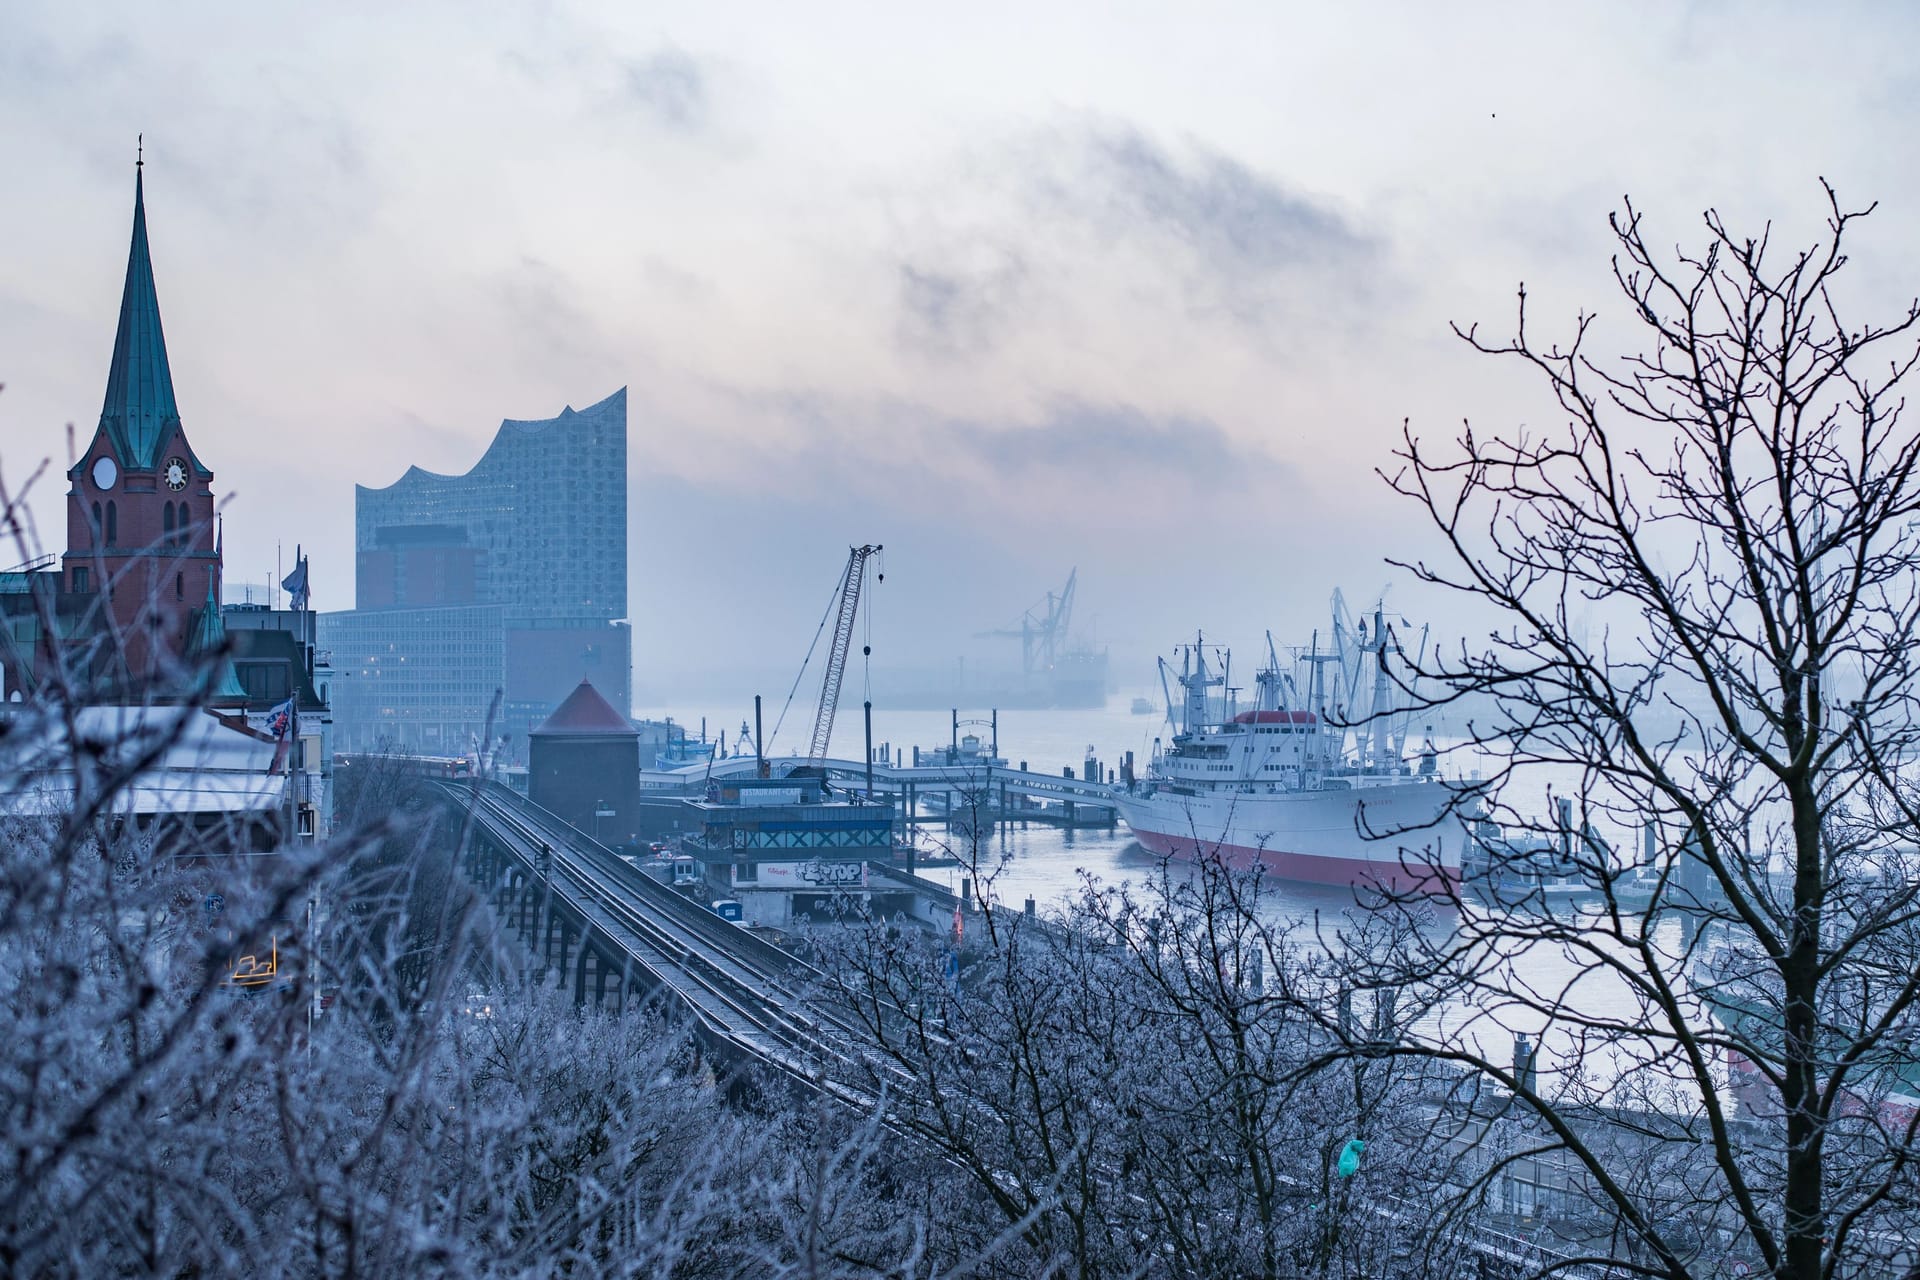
(567, 935)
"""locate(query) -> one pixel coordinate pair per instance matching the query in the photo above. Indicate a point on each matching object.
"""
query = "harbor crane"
(1046, 632)
(846, 605)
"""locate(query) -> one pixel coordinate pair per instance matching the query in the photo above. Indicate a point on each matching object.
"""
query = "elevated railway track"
(747, 998)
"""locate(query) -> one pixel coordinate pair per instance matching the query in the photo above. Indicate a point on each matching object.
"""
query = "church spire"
(209, 643)
(140, 410)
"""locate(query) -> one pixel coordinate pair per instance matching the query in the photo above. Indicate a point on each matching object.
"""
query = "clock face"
(176, 474)
(104, 473)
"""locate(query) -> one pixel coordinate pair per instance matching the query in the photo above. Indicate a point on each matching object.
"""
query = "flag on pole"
(295, 583)
(282, 723)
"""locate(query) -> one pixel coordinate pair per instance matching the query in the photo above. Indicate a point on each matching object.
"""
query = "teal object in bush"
(1350, 1158)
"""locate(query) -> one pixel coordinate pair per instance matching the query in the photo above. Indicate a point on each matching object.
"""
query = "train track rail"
(739, 988)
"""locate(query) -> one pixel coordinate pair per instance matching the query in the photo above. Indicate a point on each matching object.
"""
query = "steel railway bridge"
(612, 932)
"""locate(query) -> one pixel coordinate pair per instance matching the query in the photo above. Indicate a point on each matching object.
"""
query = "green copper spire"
(210, 636)
(140, 409)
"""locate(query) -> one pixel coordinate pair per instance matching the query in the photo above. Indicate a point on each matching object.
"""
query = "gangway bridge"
(964, 779)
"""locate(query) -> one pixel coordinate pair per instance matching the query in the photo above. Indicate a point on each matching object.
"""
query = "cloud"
(669, 87)
(951, 309)
(1077, 463)
(547, 329)
(1245, 244)
(1130, 447)
(1095, 234)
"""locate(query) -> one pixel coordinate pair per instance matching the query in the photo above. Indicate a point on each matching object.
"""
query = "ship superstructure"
(1313, 782)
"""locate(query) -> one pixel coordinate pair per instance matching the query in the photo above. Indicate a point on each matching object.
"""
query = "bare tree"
(1013, 1073)
(1706, 584)
(1240, 1136)
(1136, 1084)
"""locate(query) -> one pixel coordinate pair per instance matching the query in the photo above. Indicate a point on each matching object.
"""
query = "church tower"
(140, 514)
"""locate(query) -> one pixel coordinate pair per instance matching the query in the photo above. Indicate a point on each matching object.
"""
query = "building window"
(166, 525)
(96, 523)
(179, 586)
(80, 571)
(113, 525)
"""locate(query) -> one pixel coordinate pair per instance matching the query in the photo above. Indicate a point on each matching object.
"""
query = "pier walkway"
(973, 780)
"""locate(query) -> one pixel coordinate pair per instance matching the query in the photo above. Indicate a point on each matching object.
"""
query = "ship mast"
(1196, 680)
(1382, 693)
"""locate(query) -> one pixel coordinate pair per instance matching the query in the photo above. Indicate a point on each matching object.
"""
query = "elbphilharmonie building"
(509, 578)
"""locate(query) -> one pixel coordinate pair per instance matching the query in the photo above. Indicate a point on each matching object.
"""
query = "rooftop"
(585, 714)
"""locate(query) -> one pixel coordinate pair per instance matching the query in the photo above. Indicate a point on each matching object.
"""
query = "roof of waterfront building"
(586, 714)
(196, 760)
(546, 502)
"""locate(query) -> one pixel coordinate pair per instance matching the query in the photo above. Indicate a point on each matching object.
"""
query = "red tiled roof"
(586, 712)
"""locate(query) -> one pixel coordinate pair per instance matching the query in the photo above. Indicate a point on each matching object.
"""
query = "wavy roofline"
(416, 474)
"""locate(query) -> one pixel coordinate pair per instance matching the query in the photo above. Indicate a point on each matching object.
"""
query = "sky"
(1144, 289)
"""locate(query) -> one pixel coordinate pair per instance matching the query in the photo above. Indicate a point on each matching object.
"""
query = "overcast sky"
(1009, 288)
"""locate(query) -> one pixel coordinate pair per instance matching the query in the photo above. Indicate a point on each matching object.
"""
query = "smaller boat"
(1143, 707)
(967, 750)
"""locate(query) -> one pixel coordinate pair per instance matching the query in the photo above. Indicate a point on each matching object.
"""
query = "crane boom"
(1049, 633)
(849, 604)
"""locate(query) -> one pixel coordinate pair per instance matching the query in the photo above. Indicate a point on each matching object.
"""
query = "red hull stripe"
(1306, 868)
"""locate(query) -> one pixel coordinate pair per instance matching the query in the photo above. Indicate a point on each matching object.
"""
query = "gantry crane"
(1047, 632)
(847, 603)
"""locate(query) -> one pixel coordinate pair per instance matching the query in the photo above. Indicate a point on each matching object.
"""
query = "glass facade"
(421, 680)
(546, 503)
(512, 577)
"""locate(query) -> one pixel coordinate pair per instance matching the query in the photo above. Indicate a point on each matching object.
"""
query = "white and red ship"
(1313, 782)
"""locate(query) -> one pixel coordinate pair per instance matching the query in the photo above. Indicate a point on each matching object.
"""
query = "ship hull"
(1312, 837)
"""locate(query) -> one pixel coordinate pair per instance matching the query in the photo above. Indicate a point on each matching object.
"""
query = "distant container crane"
(1042, 630)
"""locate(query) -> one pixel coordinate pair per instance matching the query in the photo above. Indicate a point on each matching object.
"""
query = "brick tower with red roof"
(584, 766)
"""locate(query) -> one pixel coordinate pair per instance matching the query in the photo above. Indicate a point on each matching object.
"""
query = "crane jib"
(849, 604)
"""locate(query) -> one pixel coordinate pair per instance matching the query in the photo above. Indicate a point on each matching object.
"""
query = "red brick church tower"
(140, 514)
